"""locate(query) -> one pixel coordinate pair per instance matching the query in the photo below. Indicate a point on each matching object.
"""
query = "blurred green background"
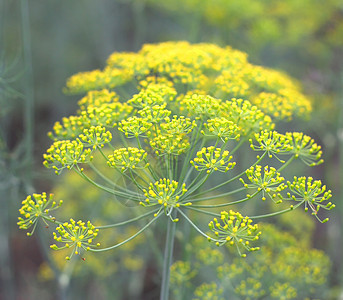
(42, 44)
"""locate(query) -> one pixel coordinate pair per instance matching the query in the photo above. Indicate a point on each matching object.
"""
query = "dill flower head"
(312, 193)
(35, 207)
(66, 154)
(305, 148)
(212, 159)
(270, 182)
(95, 137)
(164, 192)
(161, 128)
(225, 72)
(77, 236)
(235, 230)
(127, 158)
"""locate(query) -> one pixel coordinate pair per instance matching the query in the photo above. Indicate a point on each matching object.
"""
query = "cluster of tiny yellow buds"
(164, 192)
(177, 125)
(153, 94)
(70, 128)
(127, 158)
(181, 272)
(232, 83)
(134, 127)
(270, 182)
(97, 98)
(172, 144)
(146, 98)
(247, 116)
(208, 291)
(35, 207)
(201, 106)
(66, 154)
(155, 113)
(305, 148)
(250, 288)
(275, 105)
(282, 291)
(212, 159)
(95, 137)
(106, 114)
(97, 79)
(76, 235)
(221, 128)
(157, 81)
(272, 142)
(312, 193)
(235, 230)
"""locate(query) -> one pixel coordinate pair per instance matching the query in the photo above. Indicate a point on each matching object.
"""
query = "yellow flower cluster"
(312, 193)
(172, 144)
(97, 98)
(77, 235)
(127, 158)
(221, 128)
(305, 148)
(212, 159)
(153, 94)
(95, 137)
(164, 192)
(66, 154)
(271, 142)
(270, 183)
(208, 291)
(236, 230)
(35, 207)
(219, 72)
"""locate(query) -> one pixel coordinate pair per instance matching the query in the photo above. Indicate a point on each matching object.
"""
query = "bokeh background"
(43, 43)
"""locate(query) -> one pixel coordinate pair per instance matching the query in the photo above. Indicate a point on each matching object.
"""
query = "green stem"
(168, 256)
(203, 211)
(29, 92)
(226, 204)
(286, 164)
(129, 239)
(128, 221)
(106, 189)
(278, 212)
(216, 196)
(106, 179)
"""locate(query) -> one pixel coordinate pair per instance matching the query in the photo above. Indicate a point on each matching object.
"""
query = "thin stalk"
(216, 196)
(278, 212)
(286, 163)
(108, 190)
(29, 92)
(129, 239)
(168, 256)
(128, 221)
(203, 211)
(229, 203)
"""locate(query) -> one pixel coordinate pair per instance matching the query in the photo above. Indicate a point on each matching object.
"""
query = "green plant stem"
(217, 196)
(227, 204)
(168, 256)
(286, 164)
(128, 221)
(203, 211)
(197, 228)
(129, 239)
(278, 212)
(106, 189)
(29, 93)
